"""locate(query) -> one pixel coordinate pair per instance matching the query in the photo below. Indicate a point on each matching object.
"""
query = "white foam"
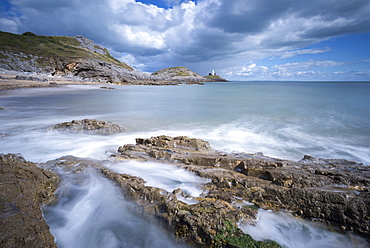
(91, 212)
(162, 175)
(291, 232)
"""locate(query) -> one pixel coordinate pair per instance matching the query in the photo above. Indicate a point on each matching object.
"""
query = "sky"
(244, 40)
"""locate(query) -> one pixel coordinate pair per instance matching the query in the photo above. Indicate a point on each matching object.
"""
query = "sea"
(285, 120)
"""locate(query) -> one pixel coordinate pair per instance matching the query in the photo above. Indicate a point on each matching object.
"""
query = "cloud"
(202, 35)
(9, 25)
(310, 64)
(251, 70)
(289, 54)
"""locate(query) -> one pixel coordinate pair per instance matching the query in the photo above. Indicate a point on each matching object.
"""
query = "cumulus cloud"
(251, 70)
(200, 35)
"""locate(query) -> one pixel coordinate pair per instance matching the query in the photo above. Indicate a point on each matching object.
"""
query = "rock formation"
(209, 222)
(183, 74)
(90, 126)
(24, 187)
(79, 58)
(331, 190)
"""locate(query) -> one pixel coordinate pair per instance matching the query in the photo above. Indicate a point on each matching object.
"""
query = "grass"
(51, 46)
(232, 236)
(178, 71)
(212, 77)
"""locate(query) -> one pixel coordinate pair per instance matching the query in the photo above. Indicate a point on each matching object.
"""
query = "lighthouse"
(213, 73)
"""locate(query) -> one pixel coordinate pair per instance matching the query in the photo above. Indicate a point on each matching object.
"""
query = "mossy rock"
(232, 236)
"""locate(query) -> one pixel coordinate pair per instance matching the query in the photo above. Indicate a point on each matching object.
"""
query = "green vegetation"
(178, 71)
(213, 77)
(232, 236)
(50, 47)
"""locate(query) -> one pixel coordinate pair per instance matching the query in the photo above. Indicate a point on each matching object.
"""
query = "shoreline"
(9, 81)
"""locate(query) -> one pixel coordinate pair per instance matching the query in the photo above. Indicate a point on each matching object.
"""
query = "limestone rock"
(335, 191)
(90, 126)
(24, 187)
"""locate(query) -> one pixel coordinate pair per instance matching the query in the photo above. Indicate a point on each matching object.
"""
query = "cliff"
(77, 57)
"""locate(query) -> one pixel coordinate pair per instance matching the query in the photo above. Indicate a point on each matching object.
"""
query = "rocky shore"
(332, 191)
(13, 80)
(80, 59)
(24, 187)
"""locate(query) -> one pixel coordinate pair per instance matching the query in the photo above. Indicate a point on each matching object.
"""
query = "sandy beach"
(8, 81)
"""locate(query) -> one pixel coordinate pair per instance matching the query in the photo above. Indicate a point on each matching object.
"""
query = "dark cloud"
(216, 32)
(240, 16)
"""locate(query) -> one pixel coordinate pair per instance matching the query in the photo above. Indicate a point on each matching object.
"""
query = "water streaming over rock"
(285, 120)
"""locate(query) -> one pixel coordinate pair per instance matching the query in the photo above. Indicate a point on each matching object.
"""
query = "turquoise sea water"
(280, 119)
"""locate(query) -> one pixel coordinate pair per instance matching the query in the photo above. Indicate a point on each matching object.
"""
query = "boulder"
(24, 187)
(90, 126)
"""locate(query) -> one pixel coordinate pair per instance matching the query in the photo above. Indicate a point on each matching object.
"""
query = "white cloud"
(9, 25)
(251, 70)
(309, 64)
(293, 53)
(219, 34)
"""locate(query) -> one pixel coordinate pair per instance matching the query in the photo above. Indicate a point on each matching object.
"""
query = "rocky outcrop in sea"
(90, 126)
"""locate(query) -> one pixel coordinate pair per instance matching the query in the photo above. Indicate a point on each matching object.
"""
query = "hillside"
(184, 74)
(80, 58)
(38, 48)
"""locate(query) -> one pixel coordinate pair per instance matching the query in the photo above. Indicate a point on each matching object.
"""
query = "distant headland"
(80, 58)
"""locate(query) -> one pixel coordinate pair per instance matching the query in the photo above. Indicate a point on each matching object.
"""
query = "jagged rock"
(333, 190)
(90, 126)
(91, 45)
(18, 77)
(24, 187)
(209, 222)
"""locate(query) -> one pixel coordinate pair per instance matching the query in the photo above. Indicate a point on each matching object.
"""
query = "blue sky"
(240, 39)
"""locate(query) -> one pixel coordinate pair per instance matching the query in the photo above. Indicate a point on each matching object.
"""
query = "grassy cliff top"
(176, 72)
(50, 46)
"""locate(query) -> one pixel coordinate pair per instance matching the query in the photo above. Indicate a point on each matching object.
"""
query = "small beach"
(8, 81)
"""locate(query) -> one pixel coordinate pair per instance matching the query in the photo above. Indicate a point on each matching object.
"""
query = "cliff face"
(64, 56)
(79, 57)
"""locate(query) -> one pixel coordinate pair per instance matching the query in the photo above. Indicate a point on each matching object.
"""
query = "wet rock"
(210, 222)
(335, 191)
(90, 126)
(107, 88)
(206, 222)
(24, 187)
